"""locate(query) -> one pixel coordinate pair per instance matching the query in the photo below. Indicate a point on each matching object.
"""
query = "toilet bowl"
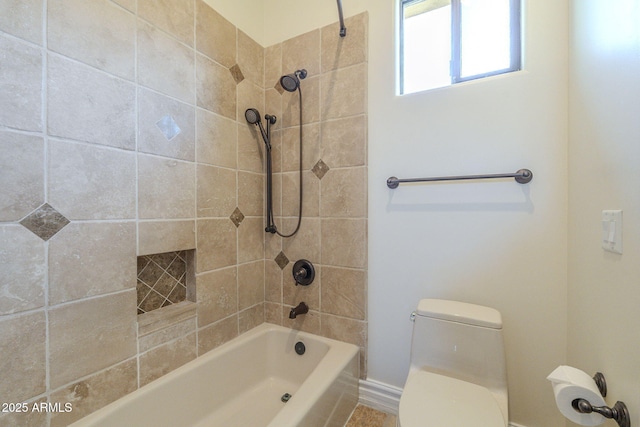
(457, 376)
(435, 400)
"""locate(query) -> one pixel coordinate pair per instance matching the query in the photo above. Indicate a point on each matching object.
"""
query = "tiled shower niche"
(164, 279)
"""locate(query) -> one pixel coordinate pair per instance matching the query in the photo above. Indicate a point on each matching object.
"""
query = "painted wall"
(604, 150)
(493, 243)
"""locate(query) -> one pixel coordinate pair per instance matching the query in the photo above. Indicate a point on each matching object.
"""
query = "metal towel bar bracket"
(522, 176)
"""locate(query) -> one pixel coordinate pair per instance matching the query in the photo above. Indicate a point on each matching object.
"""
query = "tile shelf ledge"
(165, 317)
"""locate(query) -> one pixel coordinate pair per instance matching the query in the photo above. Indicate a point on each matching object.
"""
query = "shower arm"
(343, 29)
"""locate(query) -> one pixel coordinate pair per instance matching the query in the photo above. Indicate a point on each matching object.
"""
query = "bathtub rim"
(340, 354)
(343, 355)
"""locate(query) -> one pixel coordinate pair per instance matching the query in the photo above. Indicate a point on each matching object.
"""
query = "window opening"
(443, 42)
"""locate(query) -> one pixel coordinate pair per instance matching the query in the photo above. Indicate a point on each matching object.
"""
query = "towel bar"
(522, 176)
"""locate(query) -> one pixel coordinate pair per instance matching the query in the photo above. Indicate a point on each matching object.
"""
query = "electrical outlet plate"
(612, 231)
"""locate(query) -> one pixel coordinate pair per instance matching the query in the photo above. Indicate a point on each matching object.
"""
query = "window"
(443, 42)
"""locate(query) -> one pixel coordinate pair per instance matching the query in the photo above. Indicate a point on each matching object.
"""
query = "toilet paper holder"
(619, 412)
(598, 378)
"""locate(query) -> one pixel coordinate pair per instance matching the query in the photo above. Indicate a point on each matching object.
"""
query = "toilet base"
(431, 399)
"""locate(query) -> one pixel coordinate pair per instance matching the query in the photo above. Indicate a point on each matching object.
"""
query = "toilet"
(457, 376)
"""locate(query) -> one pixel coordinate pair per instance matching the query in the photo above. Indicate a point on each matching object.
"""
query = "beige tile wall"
(333, 235)
(86, 87)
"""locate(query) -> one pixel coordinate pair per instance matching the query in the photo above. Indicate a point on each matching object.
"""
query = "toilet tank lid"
(455, 311)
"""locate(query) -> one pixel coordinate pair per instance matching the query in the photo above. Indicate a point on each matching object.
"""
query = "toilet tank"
(460, 340)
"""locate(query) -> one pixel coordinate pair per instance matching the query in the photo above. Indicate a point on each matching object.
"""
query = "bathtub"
(242, 383)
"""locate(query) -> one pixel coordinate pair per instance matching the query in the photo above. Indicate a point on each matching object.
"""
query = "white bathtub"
(241, 384)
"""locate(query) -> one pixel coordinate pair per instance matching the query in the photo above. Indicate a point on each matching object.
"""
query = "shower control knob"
(303, 272)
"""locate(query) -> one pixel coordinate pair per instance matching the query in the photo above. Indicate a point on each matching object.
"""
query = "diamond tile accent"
(320, 169)
(237, 217)
(279, 87)
(168, 127)
(282, 260)
(236, 72)
(45, 222)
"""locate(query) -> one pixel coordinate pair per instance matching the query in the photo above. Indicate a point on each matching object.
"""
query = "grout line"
(237, 173)
(89, 298)
(45, 132)
(137, 174)
(196, 161)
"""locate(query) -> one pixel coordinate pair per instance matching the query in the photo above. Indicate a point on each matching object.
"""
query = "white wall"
(604, 155)
(273, 21)
(494, 243)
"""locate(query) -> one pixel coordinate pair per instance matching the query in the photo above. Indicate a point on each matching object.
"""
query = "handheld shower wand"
(253, 116)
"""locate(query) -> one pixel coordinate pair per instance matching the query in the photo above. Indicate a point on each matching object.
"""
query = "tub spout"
(302, 308)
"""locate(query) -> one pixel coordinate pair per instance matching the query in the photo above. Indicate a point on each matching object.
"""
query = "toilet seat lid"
(430, 399)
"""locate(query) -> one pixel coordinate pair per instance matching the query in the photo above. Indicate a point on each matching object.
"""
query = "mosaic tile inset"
(162, 280)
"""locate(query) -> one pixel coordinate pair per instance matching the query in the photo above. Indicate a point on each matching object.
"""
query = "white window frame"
(456, 46)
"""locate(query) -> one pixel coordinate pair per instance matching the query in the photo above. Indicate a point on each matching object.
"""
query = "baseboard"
(380, 396)
(385, 398)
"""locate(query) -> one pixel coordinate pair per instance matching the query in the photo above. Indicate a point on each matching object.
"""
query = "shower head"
(252, 115)
(291, 82)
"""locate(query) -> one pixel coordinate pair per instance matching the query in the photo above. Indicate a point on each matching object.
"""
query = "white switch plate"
(612, 231)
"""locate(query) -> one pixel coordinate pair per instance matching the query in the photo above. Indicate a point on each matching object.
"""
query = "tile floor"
(364, 416)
